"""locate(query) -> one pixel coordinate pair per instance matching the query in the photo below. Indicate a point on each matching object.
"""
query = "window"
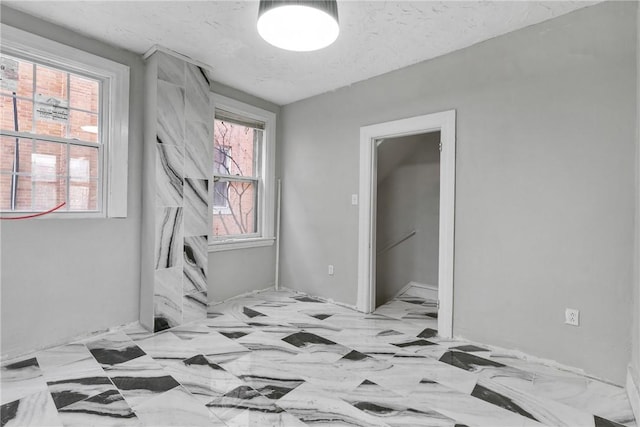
(243, 184)
(63, 129)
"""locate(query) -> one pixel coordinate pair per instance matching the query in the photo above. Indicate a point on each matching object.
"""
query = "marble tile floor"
(286, 359)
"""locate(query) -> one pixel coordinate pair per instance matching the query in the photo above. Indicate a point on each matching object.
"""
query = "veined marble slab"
(170, 68)
(195, 264)
(170, 114)
(196, 215)
(169, 238)
(176, 407)
(197, 92)
(194, 306)
(35, 410)
(20, 379)
(105, 409)
(198, 145)
(167, 298)
(169, 175)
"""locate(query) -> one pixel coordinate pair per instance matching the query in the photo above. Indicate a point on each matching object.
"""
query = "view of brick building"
(236, 148)
(38, 174)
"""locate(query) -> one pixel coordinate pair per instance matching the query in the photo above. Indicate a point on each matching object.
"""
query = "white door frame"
(445, 122)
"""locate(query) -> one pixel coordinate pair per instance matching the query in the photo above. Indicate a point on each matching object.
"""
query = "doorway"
(407, 217)
(370, 137)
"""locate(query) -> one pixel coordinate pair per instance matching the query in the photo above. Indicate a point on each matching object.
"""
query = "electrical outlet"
(330, 270)
(572, 317)
(354, 199)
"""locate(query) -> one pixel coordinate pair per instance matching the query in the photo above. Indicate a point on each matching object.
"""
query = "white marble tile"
(166, 346)
(198, 149)
(167, 298)
(176, 407)
(240, 400)
(195, 306)
(169, 236)
(62, 355)
(105, 409)
(312, 406)
(170, 68)
(218, 348)
(197, 92)
(196, 215)
(170, 114)
(267, 418)
(35, 410)
(169, 175)
(196, 260)
(113, 348)
(76, 381)
(19, 379)
(140, 379)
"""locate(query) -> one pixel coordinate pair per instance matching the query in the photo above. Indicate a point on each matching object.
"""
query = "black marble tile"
(202, 361)
(304, 339)
(107, 405)
(234, 334)
(414, 343)
(153, 384)
(8, 412)
(499, 400)
(388, 333)
(432, 315)
(321, 316)
(468, 348)
(602, 422)
(355, 356)
(251, 313)
(26, 363)
(110, 356)
(466, 361)
(306, 299)
(75, 390)
(428, 333)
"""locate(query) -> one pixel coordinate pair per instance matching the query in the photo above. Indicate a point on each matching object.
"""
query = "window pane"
(49, 194)
(83, 196)
(83, 163)
(221, 195)
(235, 148)
(23, 109)
(51, 84)
(23, 193)
(83, 126)
(240, 216)
(8, 158)
(84, 93)
(5, 191)
(49, 161)
(16, 77)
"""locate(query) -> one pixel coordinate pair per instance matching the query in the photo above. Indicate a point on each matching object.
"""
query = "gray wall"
(239, 271)
(544, 192)
(408, 199)
(66, 277)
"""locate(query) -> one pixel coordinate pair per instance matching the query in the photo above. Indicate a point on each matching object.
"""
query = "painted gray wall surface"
(635, 337)
(66, 277)
(407, 200)
(545, 183)
(239, 271)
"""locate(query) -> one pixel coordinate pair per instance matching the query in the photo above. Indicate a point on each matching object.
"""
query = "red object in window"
(38, 214)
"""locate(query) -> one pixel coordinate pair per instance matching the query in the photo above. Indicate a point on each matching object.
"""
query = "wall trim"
(406, 288)
(633, 391)
(246, 294)
(323, 299)
(445, 123)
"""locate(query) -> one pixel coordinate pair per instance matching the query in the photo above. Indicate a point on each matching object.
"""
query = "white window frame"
(266, 192)
(114, 105)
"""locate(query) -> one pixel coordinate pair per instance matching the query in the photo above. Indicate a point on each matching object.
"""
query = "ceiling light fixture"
(301, 25)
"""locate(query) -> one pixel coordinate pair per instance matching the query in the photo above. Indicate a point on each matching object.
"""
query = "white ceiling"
(376, 36)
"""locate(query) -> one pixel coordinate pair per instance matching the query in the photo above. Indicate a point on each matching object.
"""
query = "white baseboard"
(420, 290)
(246, 294)
(329, 300)
(633, 391)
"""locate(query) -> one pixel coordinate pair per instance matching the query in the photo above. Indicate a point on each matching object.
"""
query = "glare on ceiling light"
(298, 25)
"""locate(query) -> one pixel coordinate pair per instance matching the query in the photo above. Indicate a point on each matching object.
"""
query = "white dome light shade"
(299, 26)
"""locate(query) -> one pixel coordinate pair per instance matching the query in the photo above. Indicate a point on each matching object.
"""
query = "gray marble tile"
(195, 306)
(167, 298)
(19, 379)
(169, 238)
(171, 69)
(198, 92)
(169, 175)
(170, 114)
(196, 260)
(198, 146)
(105, 409)
(196, 215)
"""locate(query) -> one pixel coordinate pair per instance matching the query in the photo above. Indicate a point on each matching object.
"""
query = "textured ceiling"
(376, 36)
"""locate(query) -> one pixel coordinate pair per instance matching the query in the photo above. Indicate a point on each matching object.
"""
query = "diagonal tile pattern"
(287, 359)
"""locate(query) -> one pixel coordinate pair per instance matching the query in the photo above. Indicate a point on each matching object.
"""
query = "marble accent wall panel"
(196, 222)
(170, 114)
(195, 264)
(167, 298)
(171, 69)
(198, 106)
(183, 146)
(197, 160)
(195, 306)
(169, 235)
(169, 175)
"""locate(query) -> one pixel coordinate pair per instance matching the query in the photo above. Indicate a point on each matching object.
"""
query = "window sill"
(230, 245)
